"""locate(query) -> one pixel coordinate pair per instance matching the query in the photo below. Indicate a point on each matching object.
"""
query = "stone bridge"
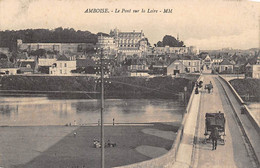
(241, 148)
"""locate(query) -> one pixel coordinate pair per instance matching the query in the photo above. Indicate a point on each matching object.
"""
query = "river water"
(255, 109)
(27, 111)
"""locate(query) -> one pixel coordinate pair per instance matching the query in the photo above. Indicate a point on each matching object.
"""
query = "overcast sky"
(207, 24)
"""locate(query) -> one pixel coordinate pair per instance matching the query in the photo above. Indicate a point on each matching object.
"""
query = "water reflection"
(42, 111)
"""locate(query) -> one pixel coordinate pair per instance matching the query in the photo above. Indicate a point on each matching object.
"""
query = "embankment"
(248, 89)
(89, 87)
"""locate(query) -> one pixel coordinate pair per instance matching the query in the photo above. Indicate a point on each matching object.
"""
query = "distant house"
(171, 50)
(256, 69)
(27, 66)
(86, 66)
(248, 70)
(8, 68)
(226, 67)
(217, 61)
(62, 66)
(136, 67)
(175, 68)
(184, 65)
(207, 61)
(192, 65)
(44, 64)
(158, 69)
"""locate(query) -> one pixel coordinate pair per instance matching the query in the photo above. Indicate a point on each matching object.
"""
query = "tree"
(159, 44)
(171, 41)
(39, 52)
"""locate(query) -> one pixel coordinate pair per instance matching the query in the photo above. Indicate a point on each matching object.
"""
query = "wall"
(239, 99)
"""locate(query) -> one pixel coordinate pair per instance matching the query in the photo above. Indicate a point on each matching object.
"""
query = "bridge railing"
(241, 102)
(168, 159)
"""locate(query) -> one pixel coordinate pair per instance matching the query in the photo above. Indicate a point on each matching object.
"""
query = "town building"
(62, 48)
(191, 65)
(248, 70)
(8, 68)
(130, 43)
(87, 66)
(184, 65)
(136, 67)
(256, 71)
(106, 41)
(207, 61)
(170, 50)
(158, 69)
(256, 68)
(225, 67)
(176, 67)
(62, 66)
(27, 66)
(44, 64)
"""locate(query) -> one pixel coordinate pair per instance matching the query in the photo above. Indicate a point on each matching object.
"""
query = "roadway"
(235, 152)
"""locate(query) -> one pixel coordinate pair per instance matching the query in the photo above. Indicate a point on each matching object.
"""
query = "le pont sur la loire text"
(124, 10)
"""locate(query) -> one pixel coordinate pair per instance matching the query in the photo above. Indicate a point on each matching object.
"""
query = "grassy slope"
(247, 86)
(125, 87)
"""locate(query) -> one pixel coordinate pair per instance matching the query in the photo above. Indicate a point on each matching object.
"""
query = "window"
(60, 64)
(189, 63)
(177, 67)
(60, 71)
(65, 64)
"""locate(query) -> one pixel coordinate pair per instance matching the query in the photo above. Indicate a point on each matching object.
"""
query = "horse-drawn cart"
(215, 120)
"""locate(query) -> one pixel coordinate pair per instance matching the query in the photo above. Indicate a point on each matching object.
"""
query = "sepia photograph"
(129, 83)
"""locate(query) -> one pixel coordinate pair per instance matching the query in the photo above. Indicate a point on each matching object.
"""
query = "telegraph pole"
(102, 109)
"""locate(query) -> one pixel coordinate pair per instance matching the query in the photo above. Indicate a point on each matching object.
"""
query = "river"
(35, 111)
(255, 109)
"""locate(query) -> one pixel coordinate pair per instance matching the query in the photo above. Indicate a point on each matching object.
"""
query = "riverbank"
(89, 87)
(248, 89)
(56, 146)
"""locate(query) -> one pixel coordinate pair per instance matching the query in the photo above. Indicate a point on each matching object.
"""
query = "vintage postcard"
(129, 83)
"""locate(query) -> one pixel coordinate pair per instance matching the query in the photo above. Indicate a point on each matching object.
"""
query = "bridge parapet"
(251, 117)
(246, 124)
(167, 160)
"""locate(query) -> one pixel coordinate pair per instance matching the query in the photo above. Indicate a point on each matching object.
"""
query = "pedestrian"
(214, 137)
(75, 133)
(113, 121)
(196, 90)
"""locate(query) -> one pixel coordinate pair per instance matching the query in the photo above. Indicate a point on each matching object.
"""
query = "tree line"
(8, 38)
(59, 35)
